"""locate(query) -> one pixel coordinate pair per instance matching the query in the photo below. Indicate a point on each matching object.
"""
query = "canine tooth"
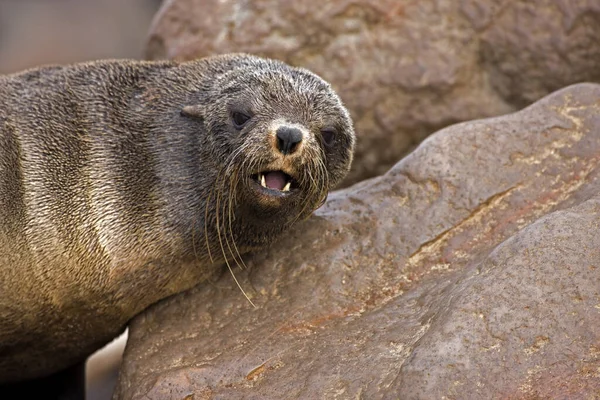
(286, 188)
(263, 183)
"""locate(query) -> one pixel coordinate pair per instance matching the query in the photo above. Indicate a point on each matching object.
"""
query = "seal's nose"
(288, 139)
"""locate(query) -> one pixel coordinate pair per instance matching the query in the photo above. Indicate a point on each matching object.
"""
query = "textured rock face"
(404, 69)
(470, 270)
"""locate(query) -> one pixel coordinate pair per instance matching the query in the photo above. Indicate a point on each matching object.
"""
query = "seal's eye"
(328, 134)
(239, 119)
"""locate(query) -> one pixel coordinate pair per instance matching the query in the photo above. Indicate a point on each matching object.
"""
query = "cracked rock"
(471, 269)
(404, 69)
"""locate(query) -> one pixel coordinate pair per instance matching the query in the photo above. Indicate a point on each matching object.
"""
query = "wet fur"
(112, 197)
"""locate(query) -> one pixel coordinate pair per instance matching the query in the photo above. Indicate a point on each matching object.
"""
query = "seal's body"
(124, 182)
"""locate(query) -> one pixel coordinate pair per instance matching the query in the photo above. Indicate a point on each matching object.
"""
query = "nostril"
(288, 139)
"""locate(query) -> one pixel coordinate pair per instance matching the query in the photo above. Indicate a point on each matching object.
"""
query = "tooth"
(286, 188)
(262, 180)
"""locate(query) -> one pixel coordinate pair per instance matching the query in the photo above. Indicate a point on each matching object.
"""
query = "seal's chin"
(274, 183)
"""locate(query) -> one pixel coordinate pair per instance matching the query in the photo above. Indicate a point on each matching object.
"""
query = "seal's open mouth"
(275, 182)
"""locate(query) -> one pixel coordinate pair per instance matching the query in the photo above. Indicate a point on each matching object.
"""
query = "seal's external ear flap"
(194, 111)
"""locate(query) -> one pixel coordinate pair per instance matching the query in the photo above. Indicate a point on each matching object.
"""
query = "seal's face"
(286, 136)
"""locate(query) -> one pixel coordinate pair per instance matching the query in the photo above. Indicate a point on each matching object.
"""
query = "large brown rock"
(470, 270)
(404, 69)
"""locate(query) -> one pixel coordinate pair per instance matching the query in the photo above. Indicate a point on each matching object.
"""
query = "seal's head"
(283, 136)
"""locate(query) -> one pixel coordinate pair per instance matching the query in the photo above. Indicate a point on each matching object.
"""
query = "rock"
(470, 270)
(404, 69)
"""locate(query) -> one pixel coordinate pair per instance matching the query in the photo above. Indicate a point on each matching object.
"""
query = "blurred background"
(34, 32)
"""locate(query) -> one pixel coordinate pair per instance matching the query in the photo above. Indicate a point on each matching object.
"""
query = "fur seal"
(124, 182)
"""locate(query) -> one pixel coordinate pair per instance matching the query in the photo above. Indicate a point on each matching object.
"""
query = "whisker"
(217, 213)
(206, 226)
(233, 172)
(236, 179)
(314, 188)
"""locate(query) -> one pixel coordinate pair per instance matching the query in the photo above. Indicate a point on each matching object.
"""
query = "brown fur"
(112, 198)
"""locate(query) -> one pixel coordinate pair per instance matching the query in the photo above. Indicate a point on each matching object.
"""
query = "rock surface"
(470, 270)
(404, 69)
